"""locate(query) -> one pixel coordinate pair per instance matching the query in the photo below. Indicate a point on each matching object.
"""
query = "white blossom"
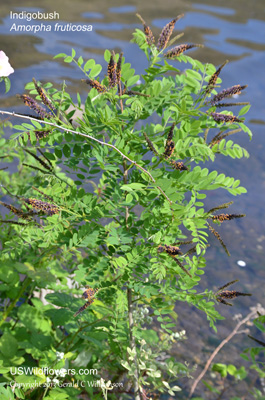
(5, 67)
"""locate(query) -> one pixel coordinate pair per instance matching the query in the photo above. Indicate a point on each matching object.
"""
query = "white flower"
(59, 355)
(5, 67)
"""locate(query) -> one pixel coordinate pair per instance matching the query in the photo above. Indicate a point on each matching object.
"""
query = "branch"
(6, 313)
(130, 306)
(218, 348)
(92, 138)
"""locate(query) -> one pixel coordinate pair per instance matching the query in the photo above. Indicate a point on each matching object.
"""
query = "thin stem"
(95, 140)
(218, 348)
(133, 345)
(130, 305)
(6, 313)
(125, 179)
(78, 331)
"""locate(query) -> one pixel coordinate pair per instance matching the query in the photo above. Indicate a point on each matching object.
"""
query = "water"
(231, 30)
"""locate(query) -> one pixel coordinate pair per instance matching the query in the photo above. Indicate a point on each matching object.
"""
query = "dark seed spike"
(220, 300)
(258, 341)
(112, 71)
(148, 33)
(169, 149)
(18, 212)
(171, 132)
(182, 267)
(47, 208)
(227, 284)
(214, 77)
(216, 234)
(217, 138)
(150, 144)
(13, 209)
(46, 158)
(231, 294)
(10, 194)
(182, 242)
(88, 303)
(178, 50)
(40, 134)
(166, 33)
(236, 89)
(13, 222)
(95, 84)
(226, 217)
(118, 69)
(242, 103)
(89, 293)
(133, 92)
(171, 250)
(30, 115)
(43, 96)
(191, 251)
(43, 163)
(225, 205)
(36, 168)
(160, 249)
(221, 118)
(243, 294)
(31, 103)
(170, 145)
(178, 165)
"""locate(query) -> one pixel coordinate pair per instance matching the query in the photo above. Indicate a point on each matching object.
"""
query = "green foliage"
(255, 355)
(224, 370)
(95, 204)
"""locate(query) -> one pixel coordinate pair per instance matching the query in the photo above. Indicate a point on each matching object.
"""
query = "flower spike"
(31, 103)
(219, 118)
(88, 294)
(118, 69)
(236, 89)
(214, 77)
(43, 96)
(112, 75)
(178, 50)
(221, 295)
(148, 33)
(47, 208)
(167, 32)
(95, 84)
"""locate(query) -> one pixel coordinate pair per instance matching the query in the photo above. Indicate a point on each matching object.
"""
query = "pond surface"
(232, 30)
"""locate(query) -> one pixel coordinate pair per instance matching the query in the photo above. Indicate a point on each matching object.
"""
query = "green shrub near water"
(137, 236)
